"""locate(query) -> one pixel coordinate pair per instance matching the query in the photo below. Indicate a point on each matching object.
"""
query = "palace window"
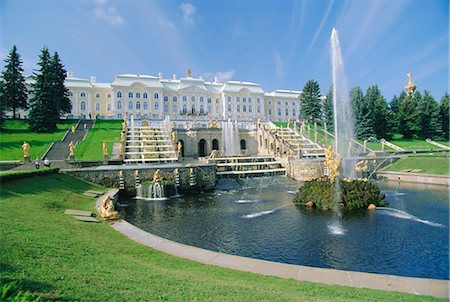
(279, 111)
(258, 109)
(287, 112)
(238, 99)
(145, 106)
(229, 108)
(109, 95)
(293, 112)
(209, 100)
(270, 102)
(250, 108)
(156, 96)
(193, 99)
(279, 103)
(130, 95)
(202, 109)
(145, 95)
(184, 108)
(193, 109)
(130, 105)
(286, 104)
(229, 99)
(119, 105)
(83, 94)
(97, 95)
(184, 98)
(108, 106)
(238, 108)
(83, 106)
(174, 108)
(174, 99)
(217, 101)
(209, 108)
(244, 100)
(293, 103)
(166, 107)
(70, 93)
(138, 95)
(138, 105)
(270, 111)
(201, 99)
(249, 100)
(244, 108)
(166, 99)
(97, 106)
(156, 106)
(119, 94)
(258, 100)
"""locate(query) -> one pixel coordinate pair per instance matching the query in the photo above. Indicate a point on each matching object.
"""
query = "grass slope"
(433, 164)
(91, 147)
(16, 132)
(62, 259)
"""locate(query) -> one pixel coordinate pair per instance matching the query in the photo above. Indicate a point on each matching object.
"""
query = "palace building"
(154, 97)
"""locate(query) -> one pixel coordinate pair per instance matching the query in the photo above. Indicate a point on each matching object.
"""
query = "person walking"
(47, 163)
(36, 163)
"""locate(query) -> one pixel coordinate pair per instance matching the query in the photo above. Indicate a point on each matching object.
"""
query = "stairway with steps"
(149, 144)
(60, 150)
(257, 166)
(297, 142)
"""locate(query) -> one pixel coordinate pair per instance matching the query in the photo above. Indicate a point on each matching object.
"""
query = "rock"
(309, 204)
(372, 207)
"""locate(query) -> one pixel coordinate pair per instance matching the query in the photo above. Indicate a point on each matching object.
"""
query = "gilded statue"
(188, 73)
(105, 148)
(26, 149)
(362, 166)
(122, 136)
(410, 87)
(258, 122)
(71, 149)
(289, 122)
(120, 173)
(180, 148)
(174, 136)
(136, 172)
(213, 154)
(212, 124)
(106, 209)
(333, 163)
(122, 148)
(73, 129)
(157, 177)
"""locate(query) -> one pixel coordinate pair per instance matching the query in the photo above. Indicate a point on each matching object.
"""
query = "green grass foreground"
(59, 258)
(432, 164)
(15, 132)
(91, 147)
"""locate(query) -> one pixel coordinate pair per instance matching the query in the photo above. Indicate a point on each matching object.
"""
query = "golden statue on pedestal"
(212, 124)
(362, 166)
(174, 136)
(213, 154)
(157, 177)
(105, 148)
(26, 149)
(332, 163)
(122, 148)
(71, 149)
(180, 148)
(410, 87)
(188, 73)
(106, 209)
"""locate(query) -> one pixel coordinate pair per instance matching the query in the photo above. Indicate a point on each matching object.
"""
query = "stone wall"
(304, 169)
(206, 176)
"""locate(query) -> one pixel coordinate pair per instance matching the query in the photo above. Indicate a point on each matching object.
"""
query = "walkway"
(417, 286)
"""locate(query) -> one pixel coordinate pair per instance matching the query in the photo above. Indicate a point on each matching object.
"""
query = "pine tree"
(444, 109)
(2, 106)
(14, 92)
(361, 114)
(328, 109)
(60, 93)
(42, 110)
(379, 113)
(311, 103)
(408, 115)
(428, 108)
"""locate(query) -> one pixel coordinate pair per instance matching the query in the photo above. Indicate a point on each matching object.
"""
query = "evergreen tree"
(444, 109)
(430, 126)
(379, 112)
(311, 103)
(60, 93)
(14, 92)
(42, 110)
(329, 109)
(361, 114)
(408, 115)
(2, 106)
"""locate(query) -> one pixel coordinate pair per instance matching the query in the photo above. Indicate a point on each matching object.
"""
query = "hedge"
(8, 176)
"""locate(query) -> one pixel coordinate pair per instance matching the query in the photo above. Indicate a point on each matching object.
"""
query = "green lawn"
(91, 147)
(432, 164)
(54, 256)
(16, 132)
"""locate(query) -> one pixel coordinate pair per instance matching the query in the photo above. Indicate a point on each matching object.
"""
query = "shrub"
(12, 292)
(8, 176)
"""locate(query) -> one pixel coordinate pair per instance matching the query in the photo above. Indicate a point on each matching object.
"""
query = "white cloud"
(188, 11)
(107, 12)
(222, 76)
(279, 66)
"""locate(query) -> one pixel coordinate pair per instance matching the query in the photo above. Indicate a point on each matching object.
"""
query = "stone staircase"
(149, 144)
(255, 166)
(60, 150)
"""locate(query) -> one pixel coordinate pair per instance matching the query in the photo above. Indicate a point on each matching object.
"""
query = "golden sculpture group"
(106, 209)
(333, 163)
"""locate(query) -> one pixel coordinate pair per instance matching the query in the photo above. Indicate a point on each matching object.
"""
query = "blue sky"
(279, 44)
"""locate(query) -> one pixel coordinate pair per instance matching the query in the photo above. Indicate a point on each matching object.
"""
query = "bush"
(12, 292)
(8, 176)
(355, 194)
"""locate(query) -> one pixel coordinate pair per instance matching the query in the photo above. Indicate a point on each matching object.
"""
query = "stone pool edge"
(417, 286)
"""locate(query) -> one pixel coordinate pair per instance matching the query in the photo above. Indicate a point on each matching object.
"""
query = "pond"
(257, 219)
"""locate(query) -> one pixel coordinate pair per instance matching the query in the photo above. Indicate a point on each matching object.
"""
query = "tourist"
(47, 163)
(36, 163)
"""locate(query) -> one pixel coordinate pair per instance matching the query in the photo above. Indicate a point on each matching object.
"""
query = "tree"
(379, 113)
(14, 92)
(311, 103)
(41, 114)
(429, 122)
(60, 93)
(361, 114)
(2, 106)
(328, 109)
(408, 115)
(444, 109)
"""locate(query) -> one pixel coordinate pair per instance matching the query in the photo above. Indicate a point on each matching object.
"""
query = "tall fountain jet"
(343, 119)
